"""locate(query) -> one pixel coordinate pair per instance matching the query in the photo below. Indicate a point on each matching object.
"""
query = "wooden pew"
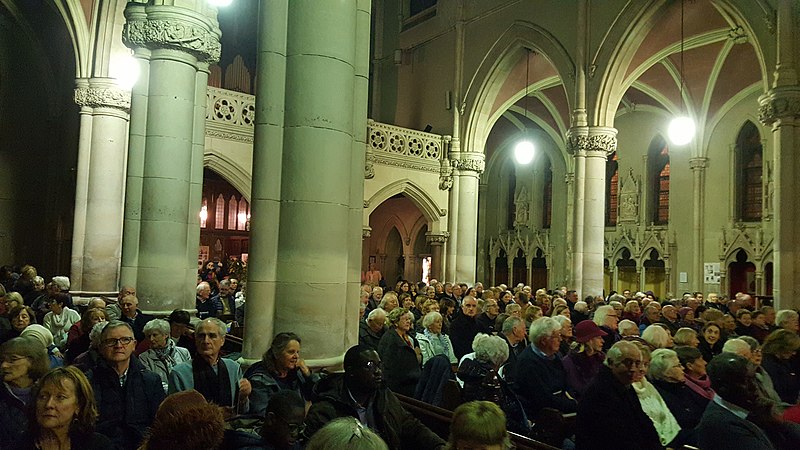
(438, 420)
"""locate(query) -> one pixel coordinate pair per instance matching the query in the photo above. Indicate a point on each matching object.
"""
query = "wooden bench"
(439, 419)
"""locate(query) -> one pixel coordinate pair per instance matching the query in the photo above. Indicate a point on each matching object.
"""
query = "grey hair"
(223, 327)
(656, 336)
(683, 335)
(616, 352)
(62, 282)
(96, 333)
(510, 323)
(430, 319)
(94, 301)
(784, 316)
(226, 283)
(38, 279)
(541, 327)
(617, 298)
(490, 348)
(386, 297)
(376, 313)
(661, 360)
(626, 324)
(157, 325)
(562, 320)
(735, 346)
(202, 285)
(751, 341)
(581, 306)
(346, 432)
(114, 324)
(601, 313)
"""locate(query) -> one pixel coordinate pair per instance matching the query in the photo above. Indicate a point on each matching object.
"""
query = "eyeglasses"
(373, 366)
(295, 429)
(114, 342)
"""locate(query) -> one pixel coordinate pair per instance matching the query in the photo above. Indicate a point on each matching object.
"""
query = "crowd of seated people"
(673, 373)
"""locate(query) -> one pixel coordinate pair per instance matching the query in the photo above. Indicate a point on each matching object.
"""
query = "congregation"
(626, 371)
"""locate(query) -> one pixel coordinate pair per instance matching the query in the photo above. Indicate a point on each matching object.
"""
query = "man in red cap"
(585, 360)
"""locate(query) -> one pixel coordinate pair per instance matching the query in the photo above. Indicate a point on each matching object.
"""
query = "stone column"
(436, 241)
(177, 43)
(468, 171)
(301, 230)
(591, 147)
(698, 166)
(99, 196)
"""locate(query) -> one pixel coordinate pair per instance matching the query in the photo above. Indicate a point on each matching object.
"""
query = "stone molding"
(103, 97)
(699, 163)
(779, 103)
(583, 140)
(396, 140)
(437, 238)
(185, 34)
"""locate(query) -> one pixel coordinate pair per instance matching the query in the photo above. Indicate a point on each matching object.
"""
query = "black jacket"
(720, 429)
(463, 330)
(13, 417)
(401, 369)
(542, 383)
(685, 404)
(785, 377)
(394, 424)
(368, 337)
(125, 411)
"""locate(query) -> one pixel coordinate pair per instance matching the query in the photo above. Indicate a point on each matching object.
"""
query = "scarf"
(215, 387)
(438, 342)
(165, 354)
(654, 406)
(700, 386)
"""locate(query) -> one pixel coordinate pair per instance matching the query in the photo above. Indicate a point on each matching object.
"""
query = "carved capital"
(473, 162)
(779, 103)
(582, 140)
(103, 96)
(173, 28)
(436, 238)
(698, 163)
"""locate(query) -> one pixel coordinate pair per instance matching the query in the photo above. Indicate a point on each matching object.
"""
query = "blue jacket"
(209, 308)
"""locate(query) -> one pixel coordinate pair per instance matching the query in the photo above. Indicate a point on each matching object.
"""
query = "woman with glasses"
(60, 318)
(23, 361)
(667, 375)
(400, 353)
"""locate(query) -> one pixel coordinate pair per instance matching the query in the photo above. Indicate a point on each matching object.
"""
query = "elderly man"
(220, 380)
(113, 310)
(788, 320)
(725, 422)
(132, 315)
(540, 375)
(127, 395)
(206, 304)
(360, 393)
(609, 414)
(513, 332)
(464, 327)
(669, 317)
(227, 298)
(371, 330)
(487, 318)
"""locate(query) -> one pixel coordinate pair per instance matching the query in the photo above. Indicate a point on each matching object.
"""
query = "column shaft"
(698, 166)
(469, 169)
(594, 222)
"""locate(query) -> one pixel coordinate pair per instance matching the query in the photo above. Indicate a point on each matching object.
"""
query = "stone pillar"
(305, 135)
(591, 146)
(698, 166)
(436, 241)
(99, 196)
(468, 170)
(454, 182)
(177, 42)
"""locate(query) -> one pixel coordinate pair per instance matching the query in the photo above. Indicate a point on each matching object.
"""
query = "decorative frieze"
(202, 41)
(437, 238)
(103, 97)
(582, 140)
(403, 141)
(473, 162)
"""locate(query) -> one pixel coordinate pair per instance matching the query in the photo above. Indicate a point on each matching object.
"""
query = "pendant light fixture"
(524, 150)
(681, 129)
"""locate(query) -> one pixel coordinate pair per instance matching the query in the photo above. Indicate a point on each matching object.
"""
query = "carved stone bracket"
(369, 166)
(779, 103)
(445, 175)
(737, 35)
(437, 238)
(106, 96)
(198, 36)
(366, 232)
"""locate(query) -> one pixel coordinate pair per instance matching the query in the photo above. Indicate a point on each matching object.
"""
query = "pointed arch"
(430, 210)
(233, 173)
(748, 178)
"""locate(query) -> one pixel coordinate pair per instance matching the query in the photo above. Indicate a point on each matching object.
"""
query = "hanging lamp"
(524, 150)
(681, 129)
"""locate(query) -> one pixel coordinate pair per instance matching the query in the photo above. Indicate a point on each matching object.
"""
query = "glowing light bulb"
(523, 152)
(681, 130)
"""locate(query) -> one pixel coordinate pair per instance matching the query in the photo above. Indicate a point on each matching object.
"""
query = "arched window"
(749, 171)
(219, 213)
(512, 191)
(612, 190)
(204, 213)
(658, 178)
(547, 195)
(243, 216)
(233, 210)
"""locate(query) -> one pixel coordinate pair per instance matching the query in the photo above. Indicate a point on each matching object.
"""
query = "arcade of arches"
(301, 149)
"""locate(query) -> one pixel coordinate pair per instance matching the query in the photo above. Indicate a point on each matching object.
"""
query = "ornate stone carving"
(239, 137)
(473, 162)
(445, 175)
(737, 35)
(369, 166)
(629, 198)
(591, 139)
(522, 209)
(108, 97)
(366, 232)
(779, 103)
(437, 238)
(442, 212)
(366, 204)
(382, 137)
(200, 41)
(698, 163)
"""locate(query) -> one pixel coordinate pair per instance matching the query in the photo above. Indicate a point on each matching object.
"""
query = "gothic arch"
(383, 233)
(417, 195)
(234, 174)
(482, 89)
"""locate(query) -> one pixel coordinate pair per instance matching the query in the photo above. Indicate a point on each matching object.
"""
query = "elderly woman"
(710, 343)
(632, 311)
(657, 337)
(654, 406)
(90, 318)
(432, 341)
(64, 414)
(567, 335)
(607, 318)
(586, 357)
(481, 380)
(60, 318)
(280, 368)
(23, 361)
(628, 328)
(400, 354)
(666, 374)
(686, 337)
(44, 336)
(695, 376)
(163, 354)
(20, 317)
(779, 349)
(763, 380)
(389, 302)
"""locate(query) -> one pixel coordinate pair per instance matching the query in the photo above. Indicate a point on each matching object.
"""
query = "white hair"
(661, 360)
(601, 313)
(202, 285)
(430, 318)
(783, 316)
(737, 346)
(490, 348)
(625, 325)
(656, 336)
(376, 313)
(157, 325)
(581, 306)
(543, 326)
(562, 319)
(62, 282)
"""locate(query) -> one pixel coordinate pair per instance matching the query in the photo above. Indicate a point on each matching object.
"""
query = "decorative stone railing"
(403, 141)
(230, 114)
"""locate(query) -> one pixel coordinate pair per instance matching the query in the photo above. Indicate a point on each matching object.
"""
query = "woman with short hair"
(478, 424)
(23, 361)
(667, 375)
(60, 318)
(400, 353)
(657, 337)
(20, 317)
(90, 318)
(779, 348)
(686, 336)
(695, 374)
(163, 353)
(432, 341)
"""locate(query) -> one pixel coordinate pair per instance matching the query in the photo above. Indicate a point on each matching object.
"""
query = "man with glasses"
(127, 394)
(541, 381)
(360, 393)
(610, 404)
(487, 318)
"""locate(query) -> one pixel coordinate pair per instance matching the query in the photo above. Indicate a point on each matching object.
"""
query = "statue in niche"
(522, 211)
(629, 199)
(770, 192)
